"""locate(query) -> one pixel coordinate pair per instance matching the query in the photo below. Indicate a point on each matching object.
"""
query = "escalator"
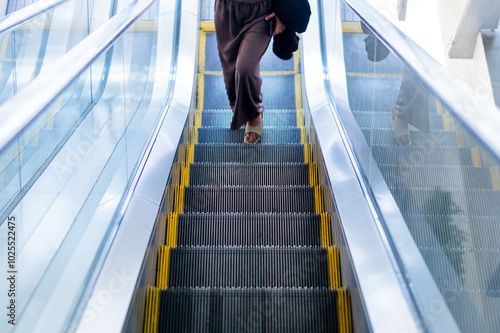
(151, 215)
(248, 228)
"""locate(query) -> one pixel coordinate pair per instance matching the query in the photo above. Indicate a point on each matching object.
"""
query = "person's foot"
(253, 130)
(401, 130)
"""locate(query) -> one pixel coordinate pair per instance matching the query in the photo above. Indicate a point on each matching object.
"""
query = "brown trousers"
(242, 38)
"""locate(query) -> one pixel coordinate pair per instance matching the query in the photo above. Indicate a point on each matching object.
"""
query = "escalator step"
(242, 153)
(428, 177)
(421, 155)
(222, 118)
(432, 139)
(248, 268)
(382, 120)
(278, 92)
(483, 231)
(249, 174)
(447, 202)
(269, 135)
(186, 310)
(249, 230)
(368, 93)
(245, 199)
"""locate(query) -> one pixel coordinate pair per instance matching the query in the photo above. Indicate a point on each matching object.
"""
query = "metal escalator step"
(242, 153)
(428, 177)
(446, 202)
(270, 135)
(246, 199)
(248, 268)
(278, 92)
(382, 120)
(483, 232)
(222, 118)
(199, 310)
(249, 174)
(432, 139)
(249, 230)
(421, 155)
(369, 93)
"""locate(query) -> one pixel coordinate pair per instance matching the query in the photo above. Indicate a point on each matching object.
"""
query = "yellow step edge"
(185, 174)
(326, 238)
(194, 135)
(476, 157)
(307, 154)
(191, 154)
(446, 121)
(201, 90)
(313, 174)
(360, 74)
(300, 118)
(352, 28)
(303, 135)
(344, 311)
(460, 139)
(261, 73)
(179, 199)
(298, 92)
(173, 219)
(163, 267)
(296, 62)
(197, 119)
(207, 26)
(201, 54)
(152, 310)
(50, 121)
(439, 107)
(495, 177)
(318, 199)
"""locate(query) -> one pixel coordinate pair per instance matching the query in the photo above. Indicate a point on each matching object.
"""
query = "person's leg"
(400, 111)
(248, 82)
(227, 47)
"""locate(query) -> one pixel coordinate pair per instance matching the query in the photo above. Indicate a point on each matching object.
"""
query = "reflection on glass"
(65, 176)
(446, 185)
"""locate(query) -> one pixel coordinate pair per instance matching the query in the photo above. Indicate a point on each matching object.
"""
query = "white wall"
(3, 7)
(432, 24)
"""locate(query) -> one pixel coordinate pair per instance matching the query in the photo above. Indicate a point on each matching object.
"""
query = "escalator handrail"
(26, 14)
(34, 98)
(475, 114)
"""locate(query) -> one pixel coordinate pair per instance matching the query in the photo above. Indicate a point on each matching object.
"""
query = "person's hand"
(280, 27)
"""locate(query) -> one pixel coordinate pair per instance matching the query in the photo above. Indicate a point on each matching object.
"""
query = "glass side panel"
(445, 183)
(36, 45)
(65, 201)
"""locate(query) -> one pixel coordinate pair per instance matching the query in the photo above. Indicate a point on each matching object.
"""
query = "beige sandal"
(399, 131)
(253, 129)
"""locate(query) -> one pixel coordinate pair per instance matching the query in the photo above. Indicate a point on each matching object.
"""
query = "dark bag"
(285, 44)
(293, 13)
(295, 16)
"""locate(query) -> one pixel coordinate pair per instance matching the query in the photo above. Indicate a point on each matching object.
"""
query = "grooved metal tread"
(280, 311)
(382, 120)
(270, 135)
(249, 174)
(435, 138)
(248, 268)
(249, 230)
(244, 153)
(421, 155)
(428, 177)
(248, 199)
(447, 202)
(276, 118)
